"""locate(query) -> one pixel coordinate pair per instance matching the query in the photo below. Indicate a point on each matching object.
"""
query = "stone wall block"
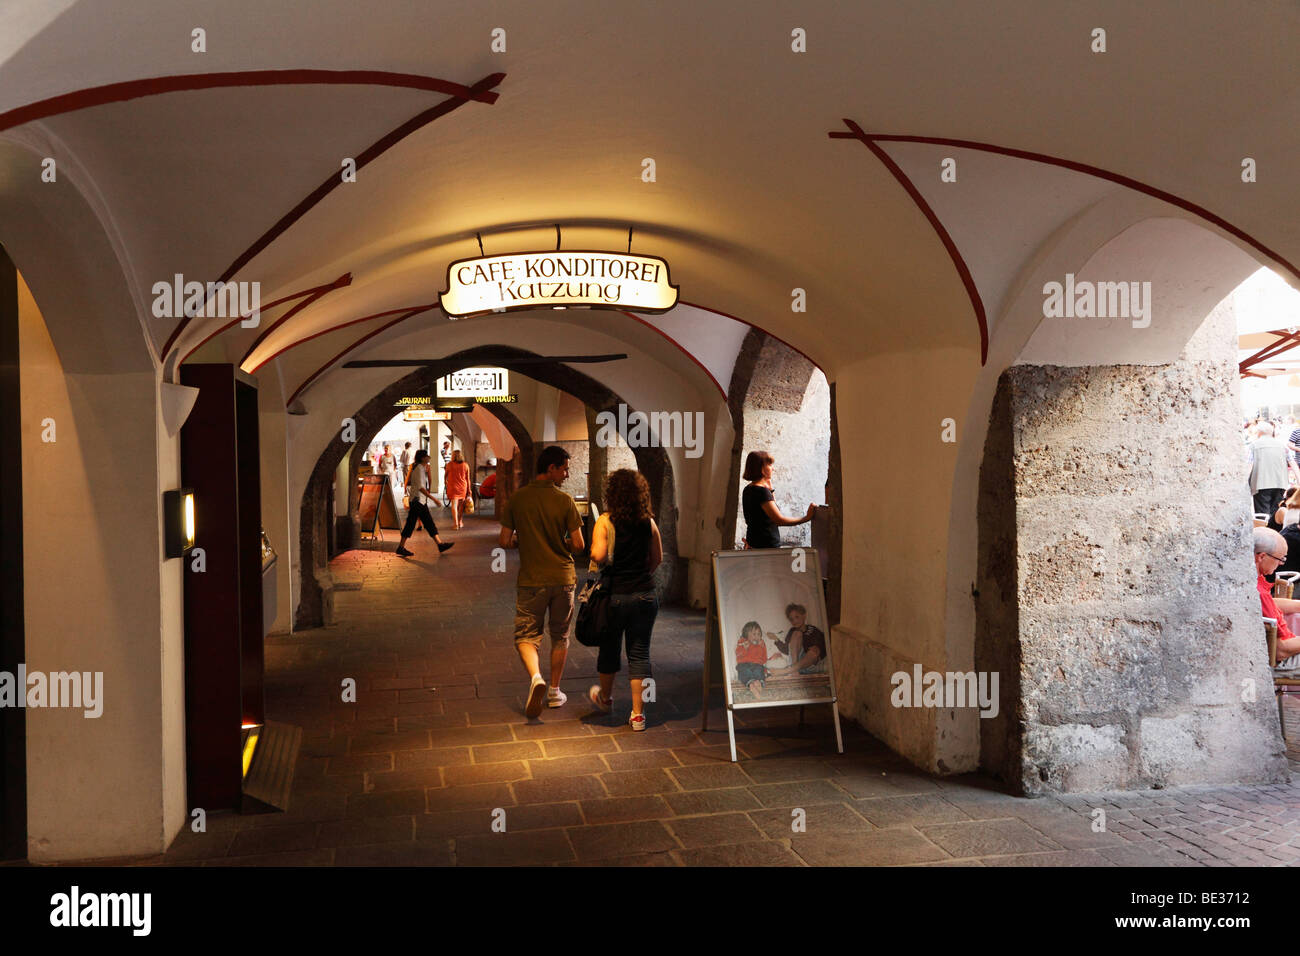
(1074, 757)
(1091, 666)
(1135, 626)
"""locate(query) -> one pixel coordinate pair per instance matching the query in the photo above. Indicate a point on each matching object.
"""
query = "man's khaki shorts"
(532, 605)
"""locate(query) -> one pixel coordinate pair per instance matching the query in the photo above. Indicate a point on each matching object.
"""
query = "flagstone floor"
(436, 748)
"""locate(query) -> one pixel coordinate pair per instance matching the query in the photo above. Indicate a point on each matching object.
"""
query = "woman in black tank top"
(762, 517)
(626, 541)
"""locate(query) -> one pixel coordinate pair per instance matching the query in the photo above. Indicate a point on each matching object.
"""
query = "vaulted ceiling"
(751, 197)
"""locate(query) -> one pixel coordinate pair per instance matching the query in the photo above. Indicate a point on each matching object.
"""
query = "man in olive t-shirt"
(543, 523)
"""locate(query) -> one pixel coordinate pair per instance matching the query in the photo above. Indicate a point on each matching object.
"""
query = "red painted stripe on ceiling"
(334, 328)
(1118, 178)
(314, 292)
(339, 283)
(954, 253)
(686, 351)
(334, 180)
(369, 335)
(189, 82)
(1122, 180)
(736, 318)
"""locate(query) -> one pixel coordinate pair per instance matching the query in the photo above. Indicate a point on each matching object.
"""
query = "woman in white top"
(388, 464)
(1289, 513)
(420, 485)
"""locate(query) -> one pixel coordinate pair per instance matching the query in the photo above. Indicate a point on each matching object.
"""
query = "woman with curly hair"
(626, 540)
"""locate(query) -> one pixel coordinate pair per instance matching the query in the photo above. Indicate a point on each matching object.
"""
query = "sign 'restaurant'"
(530, 280)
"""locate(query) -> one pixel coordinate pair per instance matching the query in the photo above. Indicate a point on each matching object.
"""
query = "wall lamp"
(178, 521)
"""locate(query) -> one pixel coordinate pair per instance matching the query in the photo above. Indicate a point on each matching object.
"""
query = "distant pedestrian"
(404, 463)
(543, 523)
(420, 484)
(762, 517)
(1268, 470)
(388, 465)
(446, 457)
(456, 485)
(626, 540)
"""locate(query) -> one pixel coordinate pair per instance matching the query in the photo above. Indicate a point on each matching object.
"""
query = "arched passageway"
(985, 520)
(318, 499)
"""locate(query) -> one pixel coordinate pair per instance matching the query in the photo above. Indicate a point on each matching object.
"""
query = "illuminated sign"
(425, 415)
(474, 383)
(413, 400)
(530, 280)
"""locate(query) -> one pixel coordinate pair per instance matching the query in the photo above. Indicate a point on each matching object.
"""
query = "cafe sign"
(558, 280)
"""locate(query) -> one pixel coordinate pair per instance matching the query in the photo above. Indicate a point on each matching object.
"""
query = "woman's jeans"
(633, 615)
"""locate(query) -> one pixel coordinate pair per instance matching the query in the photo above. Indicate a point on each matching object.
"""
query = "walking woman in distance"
(626, 539)
(456, 485)
(420, 485)
(762, 517)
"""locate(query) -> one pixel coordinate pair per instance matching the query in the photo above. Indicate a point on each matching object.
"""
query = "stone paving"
(436, 747)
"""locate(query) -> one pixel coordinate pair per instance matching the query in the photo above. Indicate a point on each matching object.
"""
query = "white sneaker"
(536, 695)
(637, 721)
(601, 703)
(556, 697)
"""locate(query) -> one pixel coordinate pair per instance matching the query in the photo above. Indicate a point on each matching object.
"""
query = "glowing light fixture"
(178, 521)
(250, 745)
(530, 280)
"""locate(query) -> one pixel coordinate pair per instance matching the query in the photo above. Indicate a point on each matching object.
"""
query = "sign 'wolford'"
(530, 280)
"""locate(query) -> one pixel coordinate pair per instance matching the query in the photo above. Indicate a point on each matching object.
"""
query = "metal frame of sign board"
(812, 568)
(374, 532)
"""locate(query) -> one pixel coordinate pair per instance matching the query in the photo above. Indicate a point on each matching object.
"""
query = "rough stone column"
(1116, 588)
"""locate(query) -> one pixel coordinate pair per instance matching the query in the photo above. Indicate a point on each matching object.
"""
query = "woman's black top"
(760, 530)
(628, 574)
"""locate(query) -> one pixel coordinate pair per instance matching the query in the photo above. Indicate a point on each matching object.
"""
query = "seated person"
(752, 658)
(1270, 555)
(489, 487)
(1288, 513)
(805, 644)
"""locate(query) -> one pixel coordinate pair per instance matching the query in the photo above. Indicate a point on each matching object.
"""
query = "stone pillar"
(1116, 596)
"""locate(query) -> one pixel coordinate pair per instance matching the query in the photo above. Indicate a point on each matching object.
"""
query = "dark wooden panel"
(209, 465)
(250, 554)
(13, 723)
